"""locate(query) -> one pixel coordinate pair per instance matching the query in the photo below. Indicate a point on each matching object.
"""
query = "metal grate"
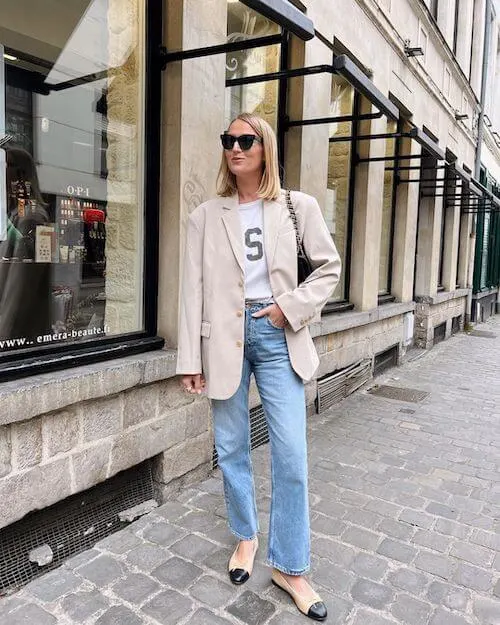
(259, 434)
(333, 388)
(385, 360)
(485, 334)
(70, 526)
(456, 322)
(412, 395)
(439, 333)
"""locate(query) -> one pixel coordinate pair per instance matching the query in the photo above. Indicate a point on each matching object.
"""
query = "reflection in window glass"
(260, 98)
(339, 167)
(386, 236)
(71, 261)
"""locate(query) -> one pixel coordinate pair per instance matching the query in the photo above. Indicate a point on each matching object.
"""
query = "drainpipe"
(484, 83)
(480, 130)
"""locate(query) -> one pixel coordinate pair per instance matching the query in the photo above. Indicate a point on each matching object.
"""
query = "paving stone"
(204, 617)
(80, 559)
(252, 609)
(289, 618)
(53, 585)
(193, 547)
(396, 550)
(487, 539)
(218, 560)
(443, 617)
(473, 577)
(212, 591)
(177, 573)
(409, 610)
(369, 566)
(147, 557)
(372, 594)
(364, 617)
(487, 611)
(496, 590)
(408, 579)
(441, 510)
(397, 529)
(135, 588)
(435, 564)
(453, 597)
(472, 553)
(432, 540)
(361, 538)
(451, 528)
(31, 614)
(417, 518)
(323, 524)
(169, 607)
(119, 542)
(81, 605)
(119, 615)
(333, 550)
(163, 534)
(197, 521)
(102, 571)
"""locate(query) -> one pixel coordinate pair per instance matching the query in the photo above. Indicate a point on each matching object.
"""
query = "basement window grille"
(385, 360)
(70, 526)
(439, 333)
(259, 434)
(456, 322)
(335, 387)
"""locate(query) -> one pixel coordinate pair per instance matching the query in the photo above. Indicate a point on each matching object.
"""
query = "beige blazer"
(212, 306)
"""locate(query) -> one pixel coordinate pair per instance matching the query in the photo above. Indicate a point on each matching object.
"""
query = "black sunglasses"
(244, 141)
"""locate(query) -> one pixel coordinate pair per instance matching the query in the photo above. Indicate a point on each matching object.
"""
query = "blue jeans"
(283, 400)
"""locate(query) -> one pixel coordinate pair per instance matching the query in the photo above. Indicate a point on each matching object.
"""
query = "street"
(405, 513)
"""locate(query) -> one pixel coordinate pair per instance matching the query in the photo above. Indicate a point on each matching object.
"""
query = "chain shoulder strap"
(293, 216)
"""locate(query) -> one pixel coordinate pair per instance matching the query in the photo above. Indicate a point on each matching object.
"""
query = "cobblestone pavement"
(405, 502)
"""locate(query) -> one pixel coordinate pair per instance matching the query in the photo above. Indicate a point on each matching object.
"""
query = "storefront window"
(71, 254)
(384, 285)
(259, 98)
(339, 173)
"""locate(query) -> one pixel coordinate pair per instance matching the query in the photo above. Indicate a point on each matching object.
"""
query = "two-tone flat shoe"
(240, 570)
(312, 605)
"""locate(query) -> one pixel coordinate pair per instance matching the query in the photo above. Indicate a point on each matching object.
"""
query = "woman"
(241, 301)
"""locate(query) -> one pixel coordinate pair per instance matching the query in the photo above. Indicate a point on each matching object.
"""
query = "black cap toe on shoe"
(317, 611)
(238, 576)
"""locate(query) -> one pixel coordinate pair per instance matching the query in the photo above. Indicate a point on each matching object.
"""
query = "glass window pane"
(385, 240)
(339, 167)
(259, 98)
(71, 264)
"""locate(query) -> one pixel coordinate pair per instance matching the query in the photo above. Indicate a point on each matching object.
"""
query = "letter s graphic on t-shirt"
(258, 253)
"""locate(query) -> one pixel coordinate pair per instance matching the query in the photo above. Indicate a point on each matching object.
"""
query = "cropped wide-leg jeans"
(283, 400)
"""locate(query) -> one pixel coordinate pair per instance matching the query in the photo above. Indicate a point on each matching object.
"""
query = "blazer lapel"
(231, 220)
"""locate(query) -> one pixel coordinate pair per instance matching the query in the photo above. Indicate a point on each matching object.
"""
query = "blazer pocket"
(205, 329)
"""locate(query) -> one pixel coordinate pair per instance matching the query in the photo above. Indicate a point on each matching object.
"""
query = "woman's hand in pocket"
(275, 314)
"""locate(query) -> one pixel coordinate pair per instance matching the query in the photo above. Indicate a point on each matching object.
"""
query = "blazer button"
(239, 343)
(239, 313)
(240, 283)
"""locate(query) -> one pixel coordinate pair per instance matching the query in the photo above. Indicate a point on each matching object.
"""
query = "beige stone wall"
(342, 349)
(428, 316)
(124, 223)
(57, 454)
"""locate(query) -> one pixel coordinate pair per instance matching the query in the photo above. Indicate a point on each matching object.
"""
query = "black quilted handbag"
(304, 267)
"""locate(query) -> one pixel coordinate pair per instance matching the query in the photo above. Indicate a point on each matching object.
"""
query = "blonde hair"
(270, 185)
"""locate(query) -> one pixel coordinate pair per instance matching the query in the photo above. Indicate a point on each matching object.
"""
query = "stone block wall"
(49, 457)
(341, 349)
(429, 315)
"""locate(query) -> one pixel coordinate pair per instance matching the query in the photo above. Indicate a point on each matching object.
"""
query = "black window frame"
(59, 356)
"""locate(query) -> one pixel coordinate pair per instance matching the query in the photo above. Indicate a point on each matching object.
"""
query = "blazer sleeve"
(191, 302)
(302, 304)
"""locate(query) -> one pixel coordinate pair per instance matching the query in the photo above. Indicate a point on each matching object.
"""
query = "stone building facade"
(407, 254)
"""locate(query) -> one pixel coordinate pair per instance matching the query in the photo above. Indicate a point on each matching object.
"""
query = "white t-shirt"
(257, 284)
